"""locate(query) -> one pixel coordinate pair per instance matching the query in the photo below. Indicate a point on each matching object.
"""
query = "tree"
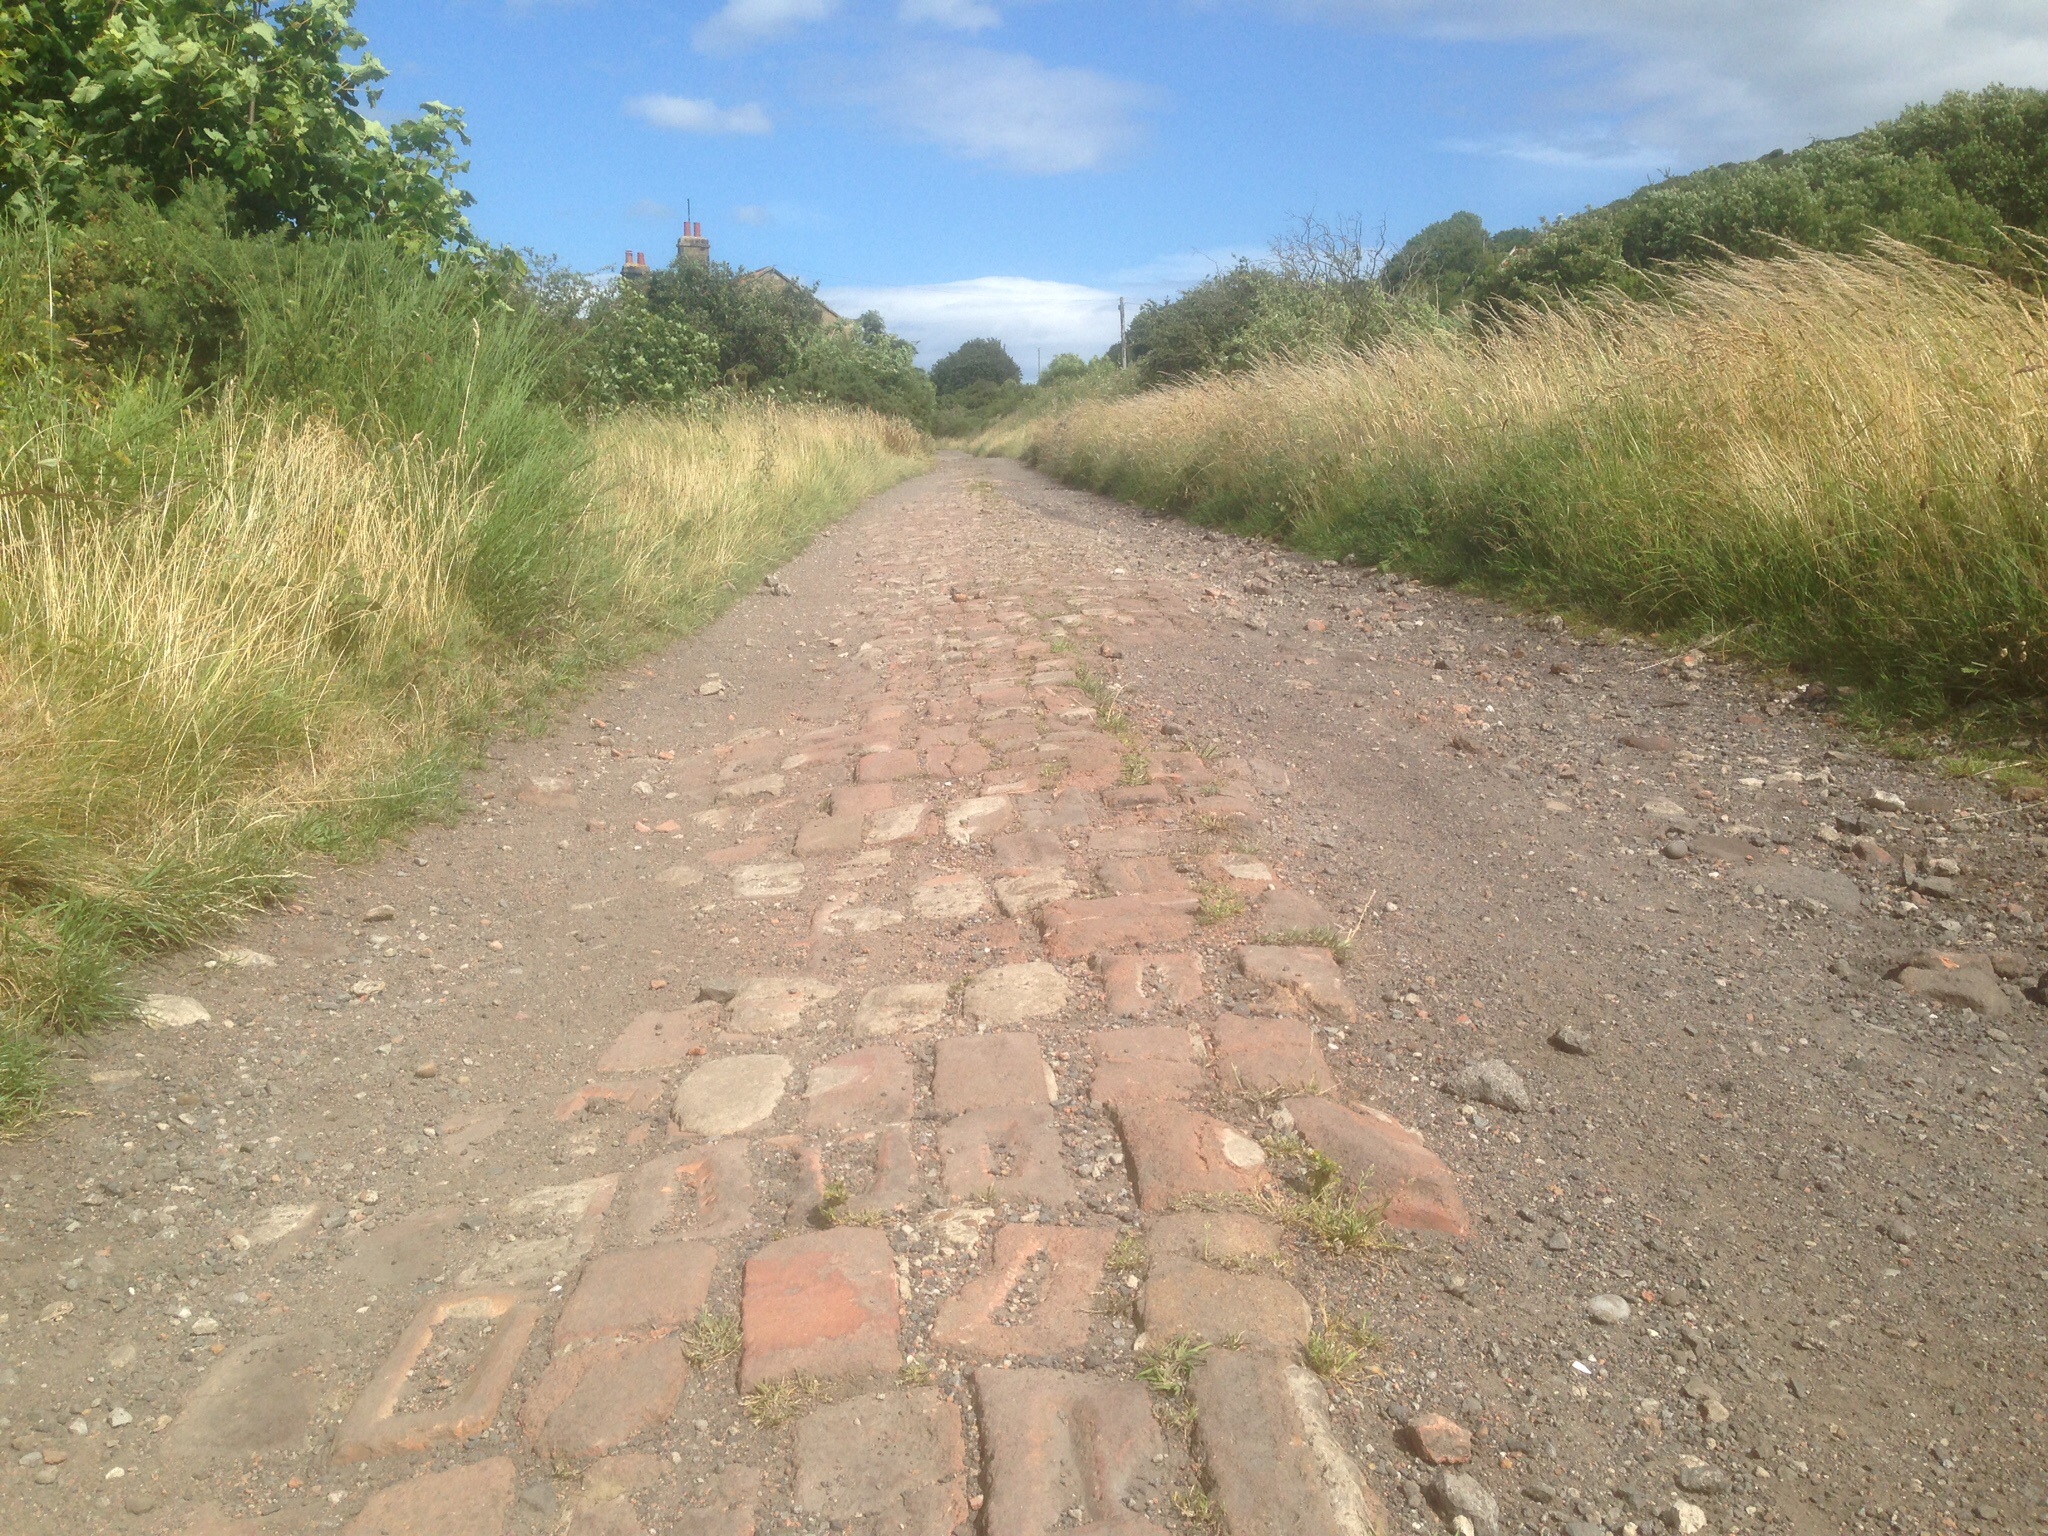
(983, 360)
(640, 355)
(1065, 366)
(149, 96)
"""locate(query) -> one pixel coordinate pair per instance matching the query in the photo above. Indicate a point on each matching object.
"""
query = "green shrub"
(983, 360)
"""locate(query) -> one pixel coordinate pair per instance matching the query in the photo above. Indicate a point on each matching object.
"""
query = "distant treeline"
(1965, 178)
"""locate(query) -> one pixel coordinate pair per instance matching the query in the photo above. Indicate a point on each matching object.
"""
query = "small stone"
(165, 1010)
(1899, 1230)
(382, 913)
(1703, 1479)
(1684, 1518)
(426, 1069)
(734, 1094)
(1491, 1082)
(1677, 848)
(1458, 1494)
(139, 1503)
(1572, 1041)
(1607, 1309)
(1439, 1441)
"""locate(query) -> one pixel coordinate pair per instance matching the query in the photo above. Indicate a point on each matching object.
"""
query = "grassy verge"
(1838, 464)
(247, 633)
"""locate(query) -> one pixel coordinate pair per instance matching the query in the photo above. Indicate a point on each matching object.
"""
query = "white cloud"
(742, 23)
(753, 215)
(1732, 76)
(1010, 109)
(1025, 313)
(959, 15)
(685, 114)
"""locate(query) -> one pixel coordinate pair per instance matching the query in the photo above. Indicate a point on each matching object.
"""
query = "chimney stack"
(693, 248)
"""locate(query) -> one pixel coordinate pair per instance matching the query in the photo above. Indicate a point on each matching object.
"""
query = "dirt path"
(819, 1077)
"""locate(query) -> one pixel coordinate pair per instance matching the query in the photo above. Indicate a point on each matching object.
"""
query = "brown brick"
(1074, 929)
(1030, 850)
(1057, 1442)
(1310, 974)
(983, 1071)
(1126, 797)
(859, 1090)
(894, 1189)
(861, 799)
(1143, 876)
(629, 1095)
(654, 1041)
(1284, 911)
(1185, 1298)
(1161, 1061)
(1233, 1239)
(373, 1427)
(895, 1466)
(1177, 1153)
(1013, 1150)
(637, 1290)
(1437, 1440)
(602, 1395)
(881, 767)
(1064, 1265)
(821, 1305)
(1387, 1161)
(475, 1500)
(1137, 984)
(1262, 1055)
(707, 1194)
(970, 759)
(1275, 1464)
(823, 836)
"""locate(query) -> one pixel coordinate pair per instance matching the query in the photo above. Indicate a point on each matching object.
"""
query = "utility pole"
(1123, 337)
(1038, 363)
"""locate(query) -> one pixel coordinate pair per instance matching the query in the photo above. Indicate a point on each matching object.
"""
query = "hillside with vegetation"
(303, 486)
(1791, 407)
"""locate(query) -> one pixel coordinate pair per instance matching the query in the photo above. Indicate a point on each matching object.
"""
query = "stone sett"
(475, 1500)
(1006, 995)
(1065, 1452)
(1012, 1149)
(1264, 1055)
(600, 1396)
(1187, 1298)
(636, 1290)
(1387, 1161)
(859, 1090)
(1154, 1061)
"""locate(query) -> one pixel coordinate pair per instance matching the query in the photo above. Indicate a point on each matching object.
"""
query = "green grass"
(1168, 1367)
(1829, 463)
(271, 613)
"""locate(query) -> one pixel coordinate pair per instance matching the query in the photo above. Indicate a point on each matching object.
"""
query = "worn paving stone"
(902, 1008)
(766, 882)
(706, 1194)
(257, 1398)
(1143, 875)
(981, 1071)
(980, 818)
(600, 1396)
(1013, 1150)
(1074, 929)
(373, 1427)
(1233, 1239)
(825, 836)
(1006, 995)
(1275, 1464)
(655, 1041)
(861, 799)
(1018, 851)
(774, 1005)
(1310, 974)
(475, 1500)
(637, 1290)
(1292, 912)
(894, 1188)
(1187, 1298)
(859, 1090)
(1151, 1061)
(1020, 895)
(1177, 1153)
(1061, 1265)
(731, 1094)
(951, 898)
(1137, 985)
(898, 824)
(1268, 1055)
(1387, 1161)
(1065, 1452)
(628, 1095)
(882, 767)
(821, 1305)
(890, 1467)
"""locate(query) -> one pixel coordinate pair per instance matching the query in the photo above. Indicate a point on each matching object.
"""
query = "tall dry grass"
(280, 642)
(1839, 463)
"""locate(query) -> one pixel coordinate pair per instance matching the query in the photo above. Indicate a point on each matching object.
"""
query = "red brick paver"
(894, 1465)
(1387, 1161)
(983, 1071)
(822, 1305)
(373, 1427)
(637, 1290)
(981, 1323)
(475, 1500)
(1066, 1452)
(1178, 1153)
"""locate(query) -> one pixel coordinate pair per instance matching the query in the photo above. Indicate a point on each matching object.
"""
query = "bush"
(639, 355)
(981, 361)
(864, 367)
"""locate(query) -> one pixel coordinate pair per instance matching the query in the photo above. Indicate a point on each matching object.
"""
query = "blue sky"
(1009, 167)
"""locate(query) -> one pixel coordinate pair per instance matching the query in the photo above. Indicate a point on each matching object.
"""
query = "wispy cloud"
(1025, 313)
(1729, 76)
(1011, 110)
(959, 15)
(753, 215)
(685, 114)
(744, 23)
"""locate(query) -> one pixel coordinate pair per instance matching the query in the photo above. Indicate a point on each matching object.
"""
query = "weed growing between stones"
(1167, 1368)
(1311, 938)
(1336, 1351)
(775, 1403)
(1217, 902)
(1194, 1505)
(1127, 1255)
(713, 1337)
